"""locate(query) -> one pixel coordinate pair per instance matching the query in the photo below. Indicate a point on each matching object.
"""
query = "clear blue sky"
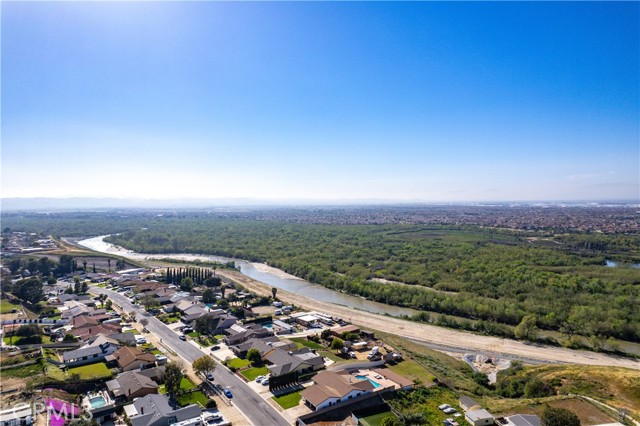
(329, 101)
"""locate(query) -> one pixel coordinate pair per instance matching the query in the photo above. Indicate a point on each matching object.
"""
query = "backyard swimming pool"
(97, 402)
(373, 382)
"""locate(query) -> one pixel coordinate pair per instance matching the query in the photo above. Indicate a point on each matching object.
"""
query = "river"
(261, 272)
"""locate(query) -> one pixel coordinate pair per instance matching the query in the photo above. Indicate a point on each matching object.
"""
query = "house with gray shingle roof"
(154, 410)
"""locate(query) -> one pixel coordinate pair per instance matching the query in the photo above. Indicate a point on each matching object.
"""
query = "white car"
(259, 379)
(265, 382)
(449, 410)
(444, 406)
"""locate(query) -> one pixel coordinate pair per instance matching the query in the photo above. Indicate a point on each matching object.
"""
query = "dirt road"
(439, 335)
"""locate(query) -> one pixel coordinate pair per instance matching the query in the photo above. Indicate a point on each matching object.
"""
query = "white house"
(479, 417)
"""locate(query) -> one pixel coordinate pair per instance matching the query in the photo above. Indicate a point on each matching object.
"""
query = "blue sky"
(321, 101)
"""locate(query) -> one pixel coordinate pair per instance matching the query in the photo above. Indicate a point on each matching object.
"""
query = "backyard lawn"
(91, 371)
(238, 363)
(6, 307)
(288, 401)
(308, 343)
(375, 419)
(196, 397)
(252, 373)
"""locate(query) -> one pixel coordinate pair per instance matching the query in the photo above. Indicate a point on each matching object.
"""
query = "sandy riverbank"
(439, 335)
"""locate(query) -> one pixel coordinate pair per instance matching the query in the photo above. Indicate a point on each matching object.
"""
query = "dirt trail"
(438, 335)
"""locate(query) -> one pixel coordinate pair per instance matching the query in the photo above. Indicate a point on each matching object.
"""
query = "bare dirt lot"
(439, 335)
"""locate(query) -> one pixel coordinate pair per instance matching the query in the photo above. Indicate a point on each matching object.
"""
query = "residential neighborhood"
(187, 347)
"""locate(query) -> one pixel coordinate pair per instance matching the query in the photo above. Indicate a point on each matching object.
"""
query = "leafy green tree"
(337, 344)
(536, 388)
(172, 378)
(391, 421)
(149, 302)
(558, 417)
(204, 365)
(208, 296)
(186, 284)
(84, 287)
(15, 264)
(77, 287)
(28, 330)
(253, 355)
(29, 290)
(69, 338)
(527, 328)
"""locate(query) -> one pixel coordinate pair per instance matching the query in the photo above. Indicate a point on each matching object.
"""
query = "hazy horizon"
(419, 102)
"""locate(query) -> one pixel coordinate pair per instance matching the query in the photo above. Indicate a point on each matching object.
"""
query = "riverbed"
(259, 271)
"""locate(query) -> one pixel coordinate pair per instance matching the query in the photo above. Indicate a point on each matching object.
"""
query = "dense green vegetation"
(487, 275)
(491, 278)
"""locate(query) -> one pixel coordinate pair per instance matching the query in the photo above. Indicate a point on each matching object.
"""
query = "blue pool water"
(267, 325)
(374, 383)
(97, 402)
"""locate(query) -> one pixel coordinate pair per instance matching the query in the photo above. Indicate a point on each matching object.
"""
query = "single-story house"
(97, 351)
(154, 410)
(130, 385)
(479, 417)
(467, 403)
(241, 333)
(332, 388)
(21, 414)
(131, 358)
(340, 331)
(524, 420)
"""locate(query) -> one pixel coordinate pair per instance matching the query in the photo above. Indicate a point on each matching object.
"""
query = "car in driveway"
(183, 337)
(215, 347)
(228, 393)
(259, 379)
(265, 382)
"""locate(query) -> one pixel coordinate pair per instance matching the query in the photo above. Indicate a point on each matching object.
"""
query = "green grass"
(196, 397)
(6, 307)
(333, 357)
(55, 373)
(375, 419)
(412, 370)
(426, 401)
(252, 373)
(288, 401)
(238, 363)
(193, 334)
(91, 371)
(186, 384)
(9, 341)
(23, 372)
(134, 331)
(157, 352)
(162, 389)
(308, 343)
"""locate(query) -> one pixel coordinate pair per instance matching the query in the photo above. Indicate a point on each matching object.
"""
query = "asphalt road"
(256, 409)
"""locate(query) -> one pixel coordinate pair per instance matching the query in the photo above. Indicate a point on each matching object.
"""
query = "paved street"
(257, 410)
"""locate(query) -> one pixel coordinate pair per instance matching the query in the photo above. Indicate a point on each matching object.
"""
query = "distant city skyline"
(300, 102)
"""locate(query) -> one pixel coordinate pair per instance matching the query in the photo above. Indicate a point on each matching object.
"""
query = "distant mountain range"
(88, 203)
